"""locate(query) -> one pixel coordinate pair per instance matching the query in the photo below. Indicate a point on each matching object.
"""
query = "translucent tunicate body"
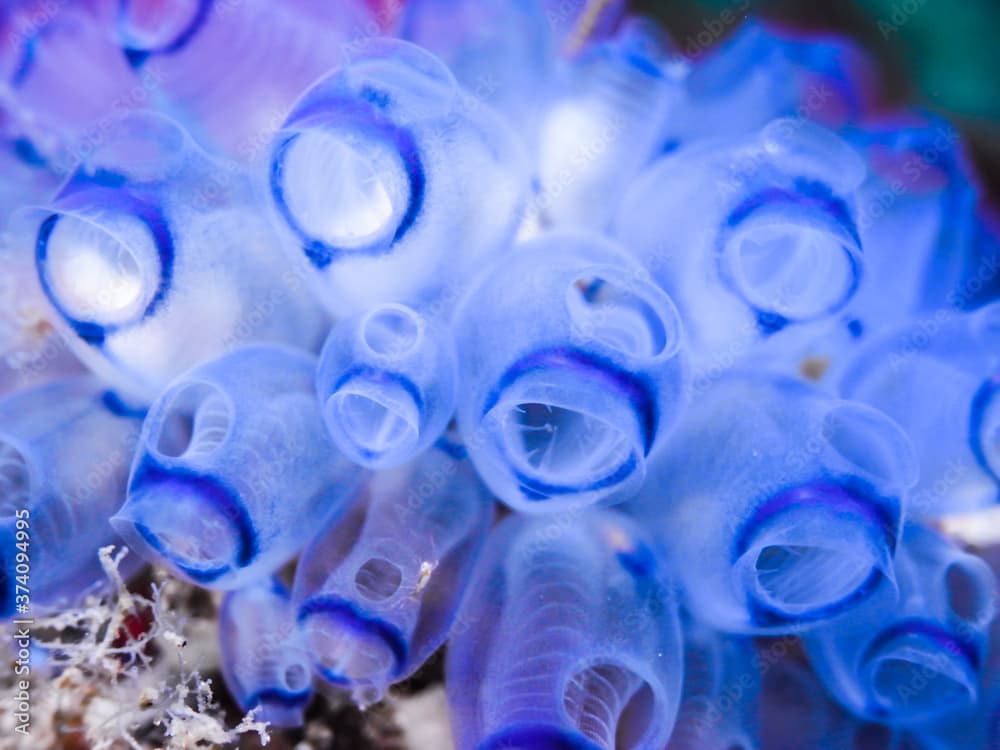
(377, 590)
(264, 659)
(387, 382)
(782, 506)
(762, 72)
(233, 69)
(749, 236)
(394, 182)
(154, 260)
(720, 702)
(903, 661)
(568, 638)
(501, 52)
(602, 124)
(573, 373)
(234, 471)
(63, 79)
(921, 194)
(939, 378)
(32, 352)
(65, 449)
(929, 247)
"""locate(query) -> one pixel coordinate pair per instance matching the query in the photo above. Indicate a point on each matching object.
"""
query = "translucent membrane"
(919, 658)
(574, 376)
(721, 696)
(264, 659)
(787, 267)
(63, 77)
(380, 166)
(197, 421)
(604, 125)
(762, 72)
(64, 455)
(195, 50)
(334, 187)
(751, 235)
(562, 444)
(145, 24)
(234, 470)
(94, 276)
(376, 591)
(185, 524)
(562, 624)
(912, 674)
(937, 218)
(152, 265)
(952, 363)
(812, 559)
(387, 382)
(783, 506)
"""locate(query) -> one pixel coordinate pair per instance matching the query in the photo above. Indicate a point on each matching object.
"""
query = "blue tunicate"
(234, 470)
(917, 657)
(602, 124)
(721, 698)
(378, 177)
(65, 450)
(154, 259)
(204, 57)
(387, 383)
(749, 236)
(573, 371)
(782, 506)
(500, 51)
(939, 378)
(920, 194)
(568, 638)
(377, 589)
(762, 72)
(63, 80)
(264, 659)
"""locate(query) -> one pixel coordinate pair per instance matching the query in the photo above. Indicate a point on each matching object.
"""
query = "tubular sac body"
(264, 660)
(920, 657)
(575, 371)
(783, 507)
(65, 450)
(234, 68)
(234, 469)
(749, 236)
(761, 73)
(501, 51)
(380, 167)
(387, 382)
(939, 218)
(949, 362)
(721, 695)
(604, 123)
(377, 590)
(151, 266)
(568, 638)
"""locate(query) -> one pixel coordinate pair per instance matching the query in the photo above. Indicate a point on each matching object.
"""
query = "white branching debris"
(112, 674)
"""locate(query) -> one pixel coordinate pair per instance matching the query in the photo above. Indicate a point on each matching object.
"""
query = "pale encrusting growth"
(102, 680)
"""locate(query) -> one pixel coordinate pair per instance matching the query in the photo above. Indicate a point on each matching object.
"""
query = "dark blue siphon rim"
(368, 113)
(636, 389)
(845, 495)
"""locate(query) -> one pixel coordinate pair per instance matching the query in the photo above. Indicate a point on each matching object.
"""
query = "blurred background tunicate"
(936, 53)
